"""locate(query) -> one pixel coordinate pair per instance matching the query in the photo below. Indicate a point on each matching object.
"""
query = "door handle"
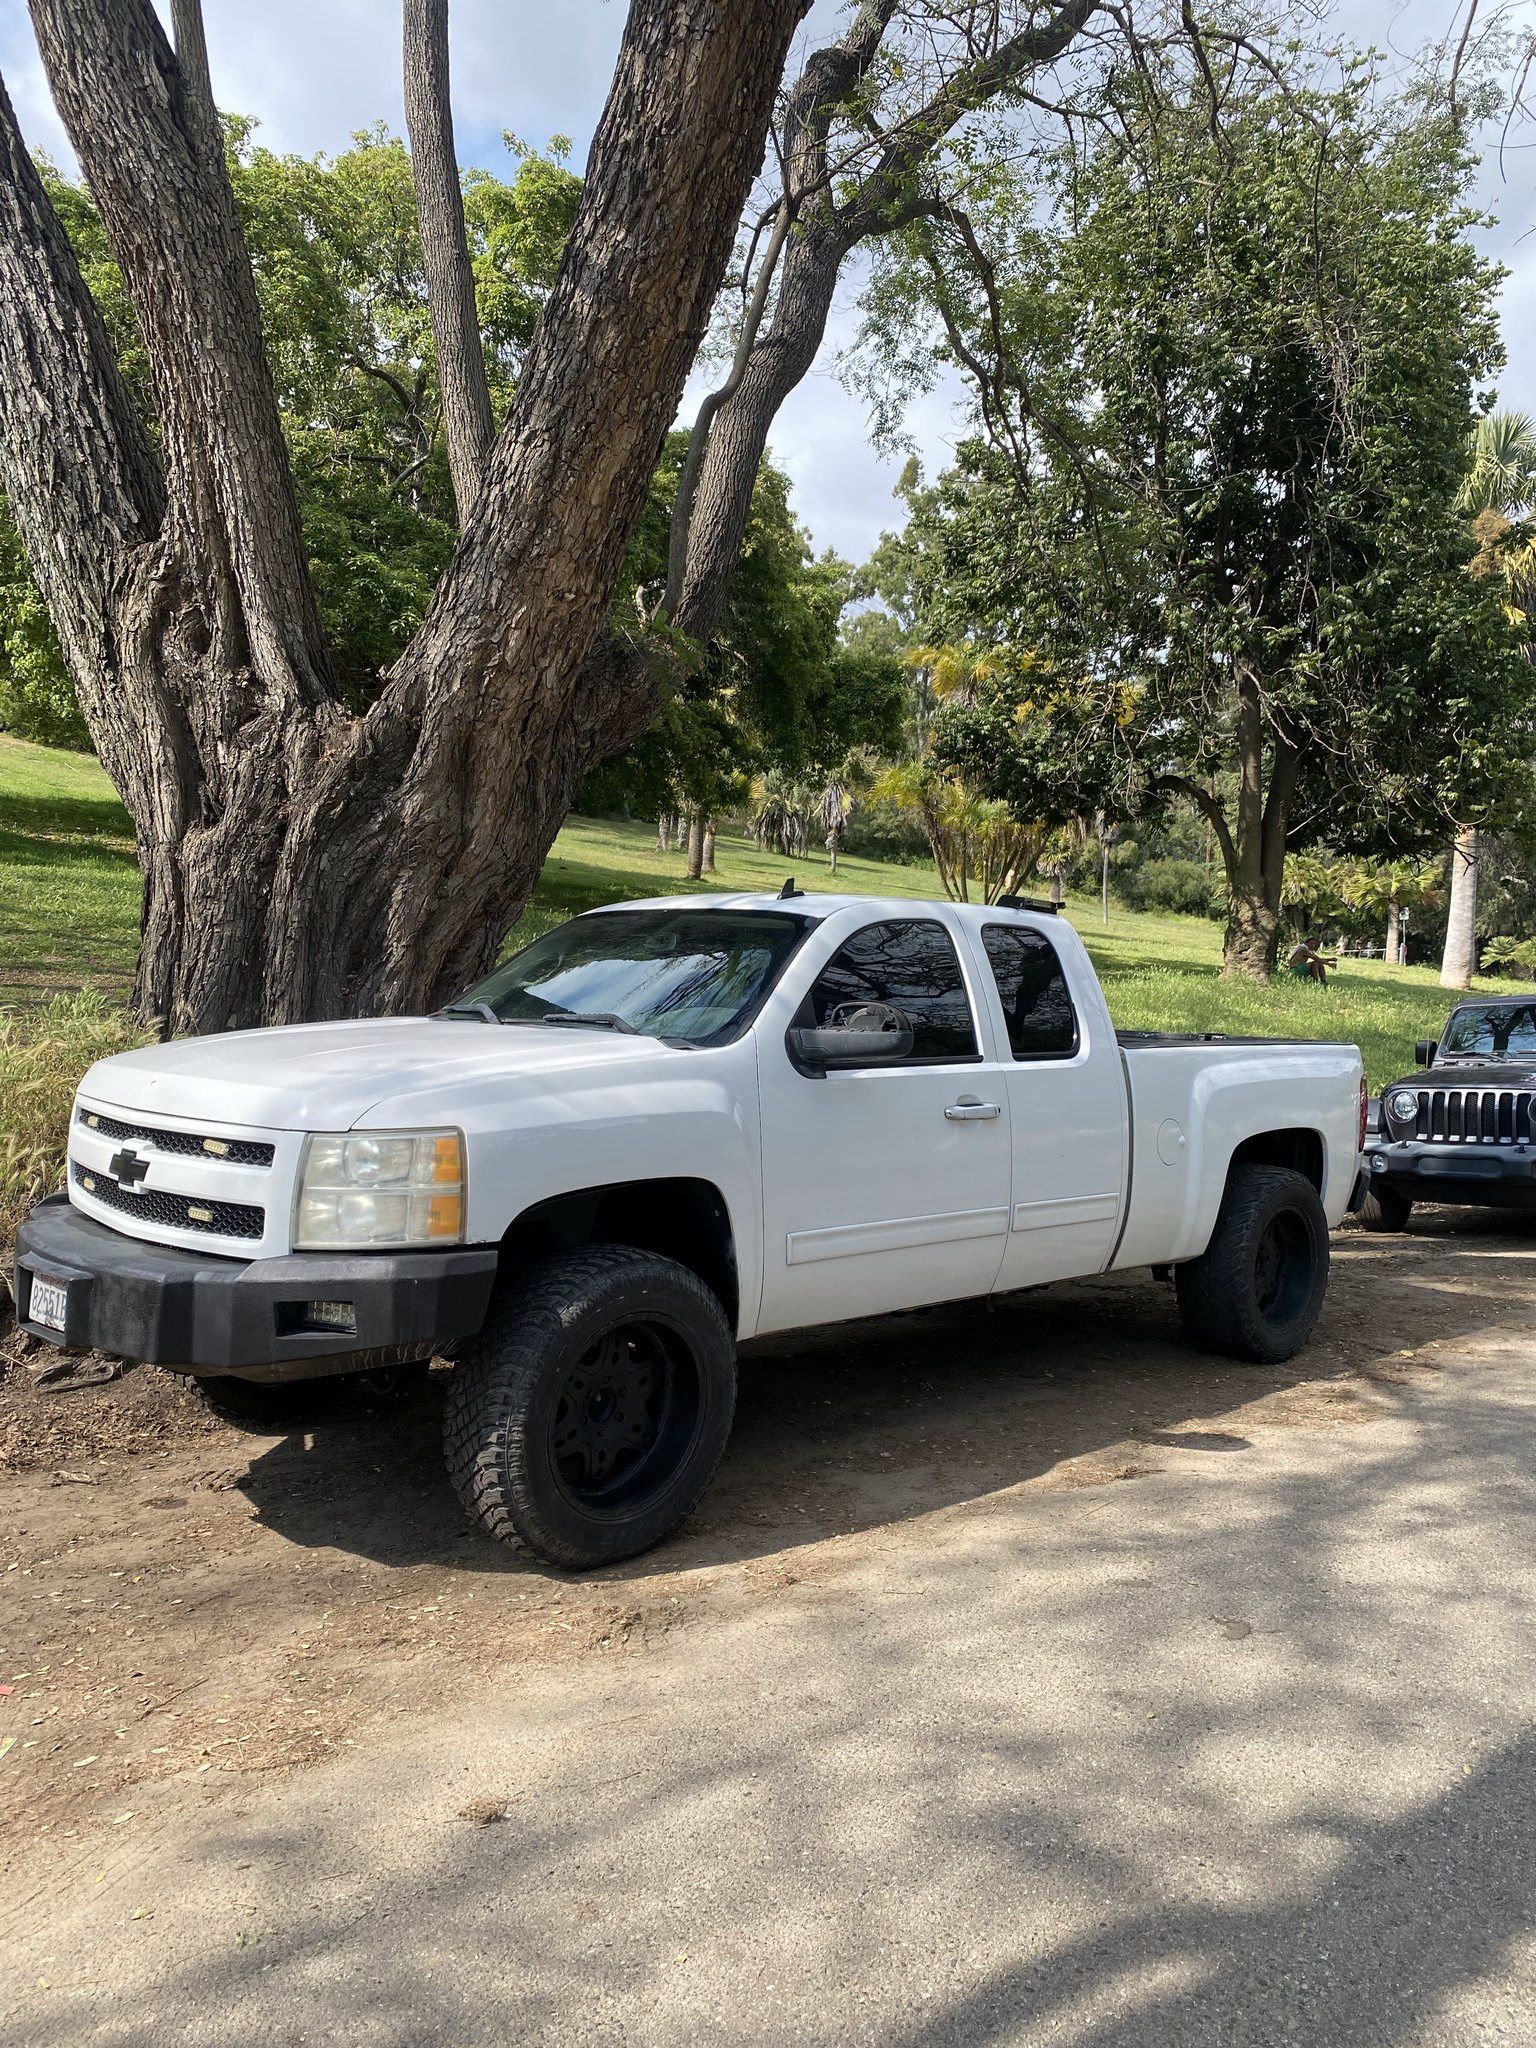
(973, 1112)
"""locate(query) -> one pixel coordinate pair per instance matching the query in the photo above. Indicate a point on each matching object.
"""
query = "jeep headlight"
(1403, 1107)
(376, 1188)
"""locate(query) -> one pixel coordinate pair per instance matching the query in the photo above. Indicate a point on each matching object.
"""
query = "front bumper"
(1476, 1176)
(167, 1307)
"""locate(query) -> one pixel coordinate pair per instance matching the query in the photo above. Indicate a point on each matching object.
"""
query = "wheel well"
(1300, 1150)
(681, 1218)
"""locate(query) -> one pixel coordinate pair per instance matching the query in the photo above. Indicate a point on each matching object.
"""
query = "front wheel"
(586, 1419)
(1384, 1209)
(1256, 1290)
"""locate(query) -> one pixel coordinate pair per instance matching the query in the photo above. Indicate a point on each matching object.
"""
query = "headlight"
(1403, 1107)
(373, 1188)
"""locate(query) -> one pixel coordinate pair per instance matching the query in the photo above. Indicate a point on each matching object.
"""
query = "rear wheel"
(1384, 1209)
(1256, 1291)
(586, 1419)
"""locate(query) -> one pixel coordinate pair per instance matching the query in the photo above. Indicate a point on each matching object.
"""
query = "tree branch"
(887, 183)
(80, 476)
(468, 422)
(1210, 809)
(698, 440)
(157, 171)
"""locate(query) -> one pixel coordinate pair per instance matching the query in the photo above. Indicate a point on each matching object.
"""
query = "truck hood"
(324, 1077)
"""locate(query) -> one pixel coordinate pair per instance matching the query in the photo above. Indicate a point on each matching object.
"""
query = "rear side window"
(1042, 1023)
(911, 965)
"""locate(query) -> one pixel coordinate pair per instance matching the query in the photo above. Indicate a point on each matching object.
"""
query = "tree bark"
(709, 846)
(1255, 846)
(468, 425)
(1459, 961)
(1391, 950)
(695, 845)
(300, 862)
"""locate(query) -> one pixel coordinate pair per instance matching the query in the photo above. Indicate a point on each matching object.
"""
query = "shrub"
(41, 1060)
(1176, 885)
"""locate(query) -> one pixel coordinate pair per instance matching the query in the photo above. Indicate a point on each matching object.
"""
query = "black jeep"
(1466, 1133)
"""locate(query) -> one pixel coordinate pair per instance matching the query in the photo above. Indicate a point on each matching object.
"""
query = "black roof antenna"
(789, 890)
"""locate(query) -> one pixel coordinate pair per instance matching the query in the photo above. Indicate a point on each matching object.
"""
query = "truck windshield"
(1508, 1028)
(696, 977)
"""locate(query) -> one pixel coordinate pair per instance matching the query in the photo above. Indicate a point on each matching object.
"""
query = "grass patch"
(41, 1061)
(69, 921)
(69, 879)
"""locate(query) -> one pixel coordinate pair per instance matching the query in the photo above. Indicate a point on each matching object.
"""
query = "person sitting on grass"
(1307, 962)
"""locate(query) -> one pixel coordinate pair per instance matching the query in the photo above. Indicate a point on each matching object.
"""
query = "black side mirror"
(1424, 1052)
(832, 1046)
(855, 1035)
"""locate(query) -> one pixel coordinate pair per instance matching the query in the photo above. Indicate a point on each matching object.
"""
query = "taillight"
(1365, 1110)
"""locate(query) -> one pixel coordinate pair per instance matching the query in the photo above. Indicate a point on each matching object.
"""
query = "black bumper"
(169, 1307)
(1472, 1176)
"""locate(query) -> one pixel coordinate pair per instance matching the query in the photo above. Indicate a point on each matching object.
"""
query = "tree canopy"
(1223, 350)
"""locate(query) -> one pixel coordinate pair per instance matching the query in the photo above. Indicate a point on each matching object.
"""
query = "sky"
(313, 71)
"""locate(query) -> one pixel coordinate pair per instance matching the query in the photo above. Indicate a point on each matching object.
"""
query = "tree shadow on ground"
(803, 1845)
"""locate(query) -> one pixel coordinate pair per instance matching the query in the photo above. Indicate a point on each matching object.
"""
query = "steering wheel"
(867, 1017)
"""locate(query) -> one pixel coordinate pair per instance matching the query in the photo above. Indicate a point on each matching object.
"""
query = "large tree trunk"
(299, 862)
(1459, 961)
(468, 426)
(695, 845)
(1391, 952)
(1254, 851)
(709, 846)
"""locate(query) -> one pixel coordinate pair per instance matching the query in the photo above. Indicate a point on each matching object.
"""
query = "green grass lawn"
(69, 907)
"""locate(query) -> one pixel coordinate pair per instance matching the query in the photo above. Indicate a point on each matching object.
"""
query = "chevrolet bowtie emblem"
(127, 1168)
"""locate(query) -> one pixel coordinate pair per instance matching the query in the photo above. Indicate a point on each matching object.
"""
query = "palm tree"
(1501, 465)
(1389, 887)
(1500, 486)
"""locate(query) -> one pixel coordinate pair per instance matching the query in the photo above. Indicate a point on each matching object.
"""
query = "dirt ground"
(187, 1604)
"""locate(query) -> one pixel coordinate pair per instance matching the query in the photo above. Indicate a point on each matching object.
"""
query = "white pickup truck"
(661, 1129)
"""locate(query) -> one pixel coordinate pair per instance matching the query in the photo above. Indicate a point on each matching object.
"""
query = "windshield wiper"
(481, 1010)
(605, 1020)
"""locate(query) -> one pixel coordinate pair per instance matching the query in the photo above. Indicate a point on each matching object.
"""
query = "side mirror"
(867, 1035)
(1424, 1052)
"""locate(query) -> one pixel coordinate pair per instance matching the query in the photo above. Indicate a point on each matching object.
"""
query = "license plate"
(47, 1304)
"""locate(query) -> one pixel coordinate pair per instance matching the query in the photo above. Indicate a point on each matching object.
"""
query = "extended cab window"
(1042, 1023)
(909, 965)
(693, 977)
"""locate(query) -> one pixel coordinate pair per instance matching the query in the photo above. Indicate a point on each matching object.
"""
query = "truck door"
(1067, 1111)
(884, 1186)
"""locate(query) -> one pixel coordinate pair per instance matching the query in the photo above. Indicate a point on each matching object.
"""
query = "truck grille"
(186, 1144)
(1473, 1116)
(172, 1212)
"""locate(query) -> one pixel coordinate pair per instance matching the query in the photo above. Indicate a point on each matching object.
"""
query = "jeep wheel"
(588, 1416)
(1256, 1291)
(1385, 1209)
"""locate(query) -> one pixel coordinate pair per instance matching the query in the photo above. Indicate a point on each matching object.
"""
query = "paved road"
(1240, 1750)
